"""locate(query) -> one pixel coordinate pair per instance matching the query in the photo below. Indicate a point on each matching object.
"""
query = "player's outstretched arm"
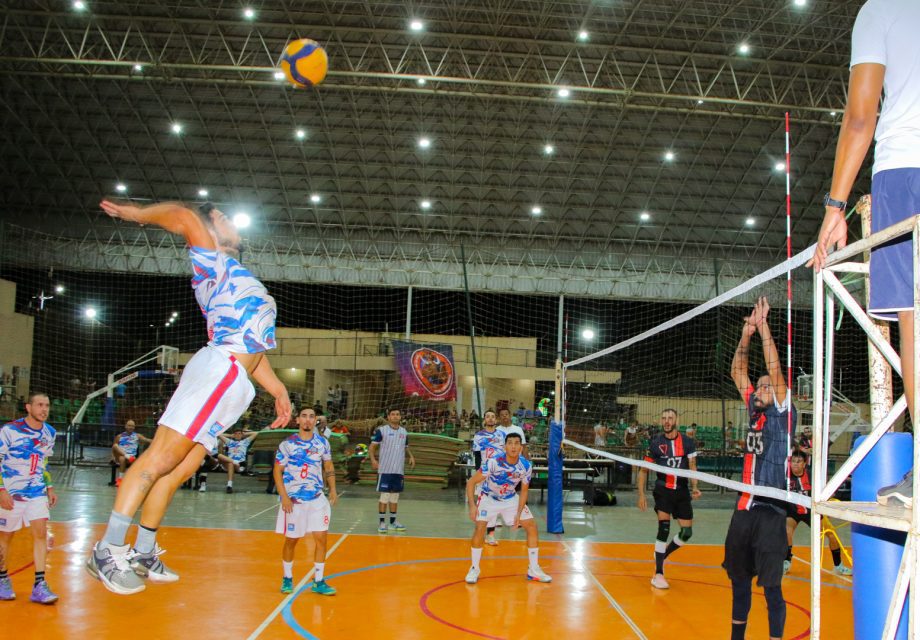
(742, 356)
(771, 354)
(171, 216)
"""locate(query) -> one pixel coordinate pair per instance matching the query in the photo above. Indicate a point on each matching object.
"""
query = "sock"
(120, 475)
(392, 519)
(319, 569)
(383, 517)
(738, 630)
(146, 539)
(117, 530)
(39, 576)
(477, 555)
(229, 483)
(287, 568)
(789, 553)
(4, 574)
(490, 530)
(532, 557)
(835, 553)
(673, 546)
(660, 554)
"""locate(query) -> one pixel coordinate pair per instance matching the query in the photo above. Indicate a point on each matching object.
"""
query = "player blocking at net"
(500, 476)
(213, 392)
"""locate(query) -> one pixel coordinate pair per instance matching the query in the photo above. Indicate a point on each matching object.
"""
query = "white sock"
(532, 557)
(229, 483)
(477, 554)
(288, 568)
(319, 569)
(120, 475)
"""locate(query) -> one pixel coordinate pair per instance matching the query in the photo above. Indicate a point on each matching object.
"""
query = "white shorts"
(213, 393)
(306, 517)
(22, 513)
(490, 510)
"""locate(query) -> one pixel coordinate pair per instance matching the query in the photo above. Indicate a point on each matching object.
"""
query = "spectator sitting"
(124, 449)
(631, 437)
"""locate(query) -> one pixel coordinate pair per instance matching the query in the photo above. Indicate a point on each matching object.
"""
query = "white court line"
(274, 506)
(827, 571)
(610, 599)
(290, 596)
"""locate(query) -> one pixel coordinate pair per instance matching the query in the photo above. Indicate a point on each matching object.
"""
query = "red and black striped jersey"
(674, 453)
(767, 448)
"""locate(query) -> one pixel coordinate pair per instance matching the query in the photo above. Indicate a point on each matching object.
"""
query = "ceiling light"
(241, 220)
(279, 75)
(176, 127)
(416, 25)
(645, 216)
(59, 288)
(203, 193)
(166, 324)
(421, 82)
(587, 334)
(90, 313)
(699, 102)
(248, 13)
(174, 314)
(669, 156)
(300, 134)
(799, 3)
(549, 149)
(749, 222)
(120, 188)
(315, 198)
(833, 114)
(138, 67)
(425, 204)
(744, 48)
(780, 166)
(79, 5)
(563, 93)
(583, 35)
(424, 143)
(536, 210)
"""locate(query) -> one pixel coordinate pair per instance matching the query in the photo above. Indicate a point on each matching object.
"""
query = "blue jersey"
(129, 441)
(24, 452)
(767, 448)
(237, 449)
(302, 462)
(502, 477)
(240, 313)
(489, 444)
(391, 456)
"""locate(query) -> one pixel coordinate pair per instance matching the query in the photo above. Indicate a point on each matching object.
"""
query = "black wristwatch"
(837, 204)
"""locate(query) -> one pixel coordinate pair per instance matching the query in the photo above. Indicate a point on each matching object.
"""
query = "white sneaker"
(203, 488)
(538, 575)
(472, 576)
(490, 539)
(659, 582)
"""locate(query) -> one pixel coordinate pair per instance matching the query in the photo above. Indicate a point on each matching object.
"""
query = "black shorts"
(390, 482)
(674, 502)
(756, 546)
(802, 518)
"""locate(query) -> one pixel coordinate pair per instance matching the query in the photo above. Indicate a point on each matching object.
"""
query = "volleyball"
(304, 63)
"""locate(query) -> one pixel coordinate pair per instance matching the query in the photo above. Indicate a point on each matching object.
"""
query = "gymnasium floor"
(398, 585)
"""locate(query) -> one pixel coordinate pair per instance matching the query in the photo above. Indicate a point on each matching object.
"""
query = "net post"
(818, 473)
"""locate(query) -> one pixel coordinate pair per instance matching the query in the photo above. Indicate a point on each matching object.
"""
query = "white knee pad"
(384, 498)
(394, 498)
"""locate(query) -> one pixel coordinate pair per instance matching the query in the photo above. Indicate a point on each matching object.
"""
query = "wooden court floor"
(401, 587)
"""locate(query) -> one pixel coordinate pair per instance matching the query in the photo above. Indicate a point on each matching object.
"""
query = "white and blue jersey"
(128, 441)
(502, 477)
(392, 454)
(240, 313)
(489, 443)
(237, 449)
(302, 462)
(24, 452)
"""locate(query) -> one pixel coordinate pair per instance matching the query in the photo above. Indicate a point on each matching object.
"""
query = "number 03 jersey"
(674, 453)
(302, 462)
(24, 452)
(767, 448)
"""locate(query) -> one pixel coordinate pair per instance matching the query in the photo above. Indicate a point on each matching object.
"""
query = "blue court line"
(291, 621)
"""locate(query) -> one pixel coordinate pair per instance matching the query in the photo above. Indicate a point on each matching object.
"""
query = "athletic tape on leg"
(765, 492)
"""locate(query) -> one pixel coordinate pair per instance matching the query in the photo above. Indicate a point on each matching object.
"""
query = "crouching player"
(303, 466)
(500, 476)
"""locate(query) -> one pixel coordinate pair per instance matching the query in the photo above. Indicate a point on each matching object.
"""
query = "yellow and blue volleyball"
(304, 63)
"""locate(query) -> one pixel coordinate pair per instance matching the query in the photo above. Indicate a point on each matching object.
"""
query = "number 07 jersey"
(675, 454)
(767, 448)
(302, 462)
(24, 451)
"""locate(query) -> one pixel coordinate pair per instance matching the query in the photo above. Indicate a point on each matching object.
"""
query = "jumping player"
(124, 449)
(212, 394)
(236, 447)
(795, 514)
(756, 541)
(303, 466)
(500, 476)
(26, 493)
(487, 443)
(391, 441)
(672, 495)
